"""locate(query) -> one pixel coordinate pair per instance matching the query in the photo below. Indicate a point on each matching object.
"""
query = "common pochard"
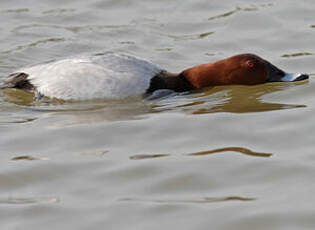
(114, 75)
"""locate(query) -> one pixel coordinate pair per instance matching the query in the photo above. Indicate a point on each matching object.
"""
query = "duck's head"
(243, 69)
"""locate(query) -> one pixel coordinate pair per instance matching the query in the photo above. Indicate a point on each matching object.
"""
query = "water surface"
(232, 157)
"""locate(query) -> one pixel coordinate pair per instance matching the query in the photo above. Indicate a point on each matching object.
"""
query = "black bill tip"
(302, 77)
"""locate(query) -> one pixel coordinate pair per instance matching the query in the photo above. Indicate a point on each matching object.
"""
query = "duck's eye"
(250, 64)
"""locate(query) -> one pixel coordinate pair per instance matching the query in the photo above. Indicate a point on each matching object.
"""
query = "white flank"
(106, 75)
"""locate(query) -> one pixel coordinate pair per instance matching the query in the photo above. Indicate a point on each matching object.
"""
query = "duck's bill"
(294, 77)
(278, 75)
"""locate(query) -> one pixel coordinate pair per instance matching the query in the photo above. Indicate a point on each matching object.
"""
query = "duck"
(117, 75)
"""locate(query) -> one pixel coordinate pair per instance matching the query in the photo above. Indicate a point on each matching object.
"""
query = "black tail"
(17, 80)
(3, 85)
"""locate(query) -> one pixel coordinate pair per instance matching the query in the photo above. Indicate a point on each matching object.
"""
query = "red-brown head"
(243, 69)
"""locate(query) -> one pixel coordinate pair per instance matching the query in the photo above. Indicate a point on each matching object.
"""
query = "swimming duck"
(114, 75)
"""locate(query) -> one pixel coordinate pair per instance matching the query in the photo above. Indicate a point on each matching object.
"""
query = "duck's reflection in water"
(231, 99)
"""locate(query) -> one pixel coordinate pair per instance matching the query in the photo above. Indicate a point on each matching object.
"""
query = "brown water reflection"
(297, 54)
(29, 158)
(77, 112)
(18, 97)
(244, 151)
(231, 99)
(242, 99)
(241, 150)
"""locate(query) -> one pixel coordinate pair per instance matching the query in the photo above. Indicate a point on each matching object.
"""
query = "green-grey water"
(232, 157)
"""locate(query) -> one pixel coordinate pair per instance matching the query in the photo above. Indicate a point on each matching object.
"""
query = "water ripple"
(238, 9)
(58, 11)
(32, 44)
(147, 156)
(96, 153)
(241, 150)
(203, 200)
(17, 10)
(296, 54)
(190, 36)
(29, 158)
(29, 200)
(21, 121)
(73, 29)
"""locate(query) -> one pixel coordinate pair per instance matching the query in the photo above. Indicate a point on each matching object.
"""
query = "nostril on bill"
(302, 77)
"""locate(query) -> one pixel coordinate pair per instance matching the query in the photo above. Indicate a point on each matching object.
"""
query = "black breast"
(166, 80)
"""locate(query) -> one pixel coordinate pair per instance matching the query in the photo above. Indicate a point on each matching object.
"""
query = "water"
(236, 157)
